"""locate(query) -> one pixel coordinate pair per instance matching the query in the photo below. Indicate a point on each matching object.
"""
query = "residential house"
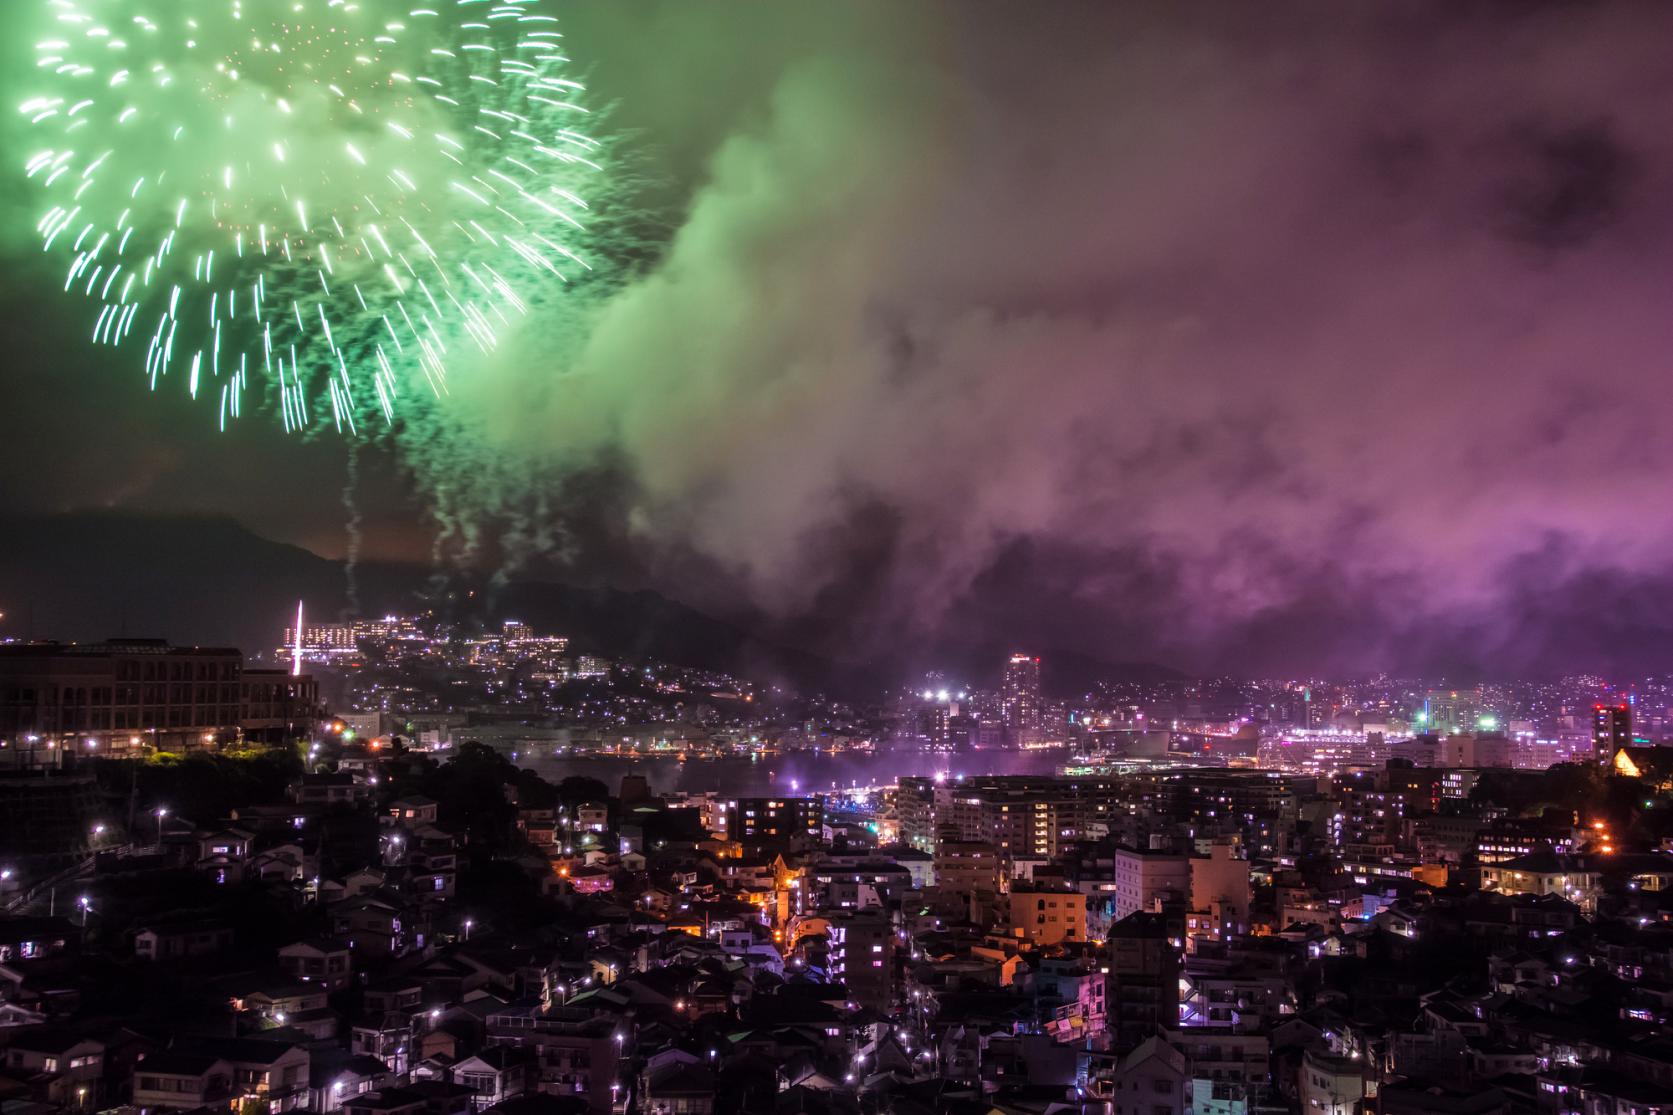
(411, 811)
(35, 938)
(387, 1036)
(336, 1078)
(287, 863)
(233, 842)
(324, 960)
(432, 864)
(328, 789)
(15, 1015)
(1151, 1080)
(680, 1089)
(396, 993)
(182, 1081)
(373, 927)
(497, 1073)
(182, 940)
(280, 1001)
(62, 1068)
(275, 1072)
(574, 1048)
(424, 1097)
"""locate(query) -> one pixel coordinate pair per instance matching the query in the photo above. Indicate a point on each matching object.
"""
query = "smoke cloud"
(1275, 335)
(1261, 337)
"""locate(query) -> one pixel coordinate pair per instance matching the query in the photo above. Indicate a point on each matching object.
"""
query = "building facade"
(140, 695)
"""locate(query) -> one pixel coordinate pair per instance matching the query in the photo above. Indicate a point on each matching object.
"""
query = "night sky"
(1311, 337)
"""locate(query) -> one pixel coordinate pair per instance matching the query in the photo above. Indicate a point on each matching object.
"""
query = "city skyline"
(891, 557)
(1192, 891)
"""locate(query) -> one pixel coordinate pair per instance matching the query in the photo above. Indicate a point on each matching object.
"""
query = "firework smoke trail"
(329, 205)
(351, 505)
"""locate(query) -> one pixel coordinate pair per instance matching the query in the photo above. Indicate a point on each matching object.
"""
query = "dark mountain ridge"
(208, 580)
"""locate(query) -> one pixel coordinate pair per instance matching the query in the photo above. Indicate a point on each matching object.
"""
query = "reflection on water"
(803, 772)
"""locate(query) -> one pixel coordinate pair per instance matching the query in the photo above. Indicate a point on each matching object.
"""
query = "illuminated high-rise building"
(1611, 730)
(1020, 694)
(1451, 710)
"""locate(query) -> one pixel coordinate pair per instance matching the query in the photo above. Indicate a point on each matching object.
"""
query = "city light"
(993, 558)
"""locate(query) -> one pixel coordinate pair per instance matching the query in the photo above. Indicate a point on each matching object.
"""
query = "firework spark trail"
(327, 205)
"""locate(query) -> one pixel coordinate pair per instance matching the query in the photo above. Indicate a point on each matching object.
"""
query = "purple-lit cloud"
(1257, 335)
(1233, 315)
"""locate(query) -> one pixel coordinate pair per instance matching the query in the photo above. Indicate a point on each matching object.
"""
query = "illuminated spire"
(296, 645)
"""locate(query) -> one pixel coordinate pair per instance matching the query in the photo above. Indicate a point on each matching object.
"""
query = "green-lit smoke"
(332, 210)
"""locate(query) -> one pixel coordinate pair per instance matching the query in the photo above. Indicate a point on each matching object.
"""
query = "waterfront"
(795, 772)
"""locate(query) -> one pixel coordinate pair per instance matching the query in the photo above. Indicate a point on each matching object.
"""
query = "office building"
(1045, 916)
(1451, 710)
(1144, 877)
(276, 705)
(1019, 696)
(968, 870)
(1221, 890)
(1142, 987)
(138, 695)
(1611, 730)
(774, 820)
(863, 957)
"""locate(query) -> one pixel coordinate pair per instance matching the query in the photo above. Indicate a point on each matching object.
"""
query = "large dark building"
(49, 820)
(1142, 988)
(125, 697)
(774, 820)
(275, 706)
(863, 957)
(1611, 730)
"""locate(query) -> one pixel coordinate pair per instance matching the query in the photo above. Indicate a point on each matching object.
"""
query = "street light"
(86, 904)
(468, 924)
(162, 811)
